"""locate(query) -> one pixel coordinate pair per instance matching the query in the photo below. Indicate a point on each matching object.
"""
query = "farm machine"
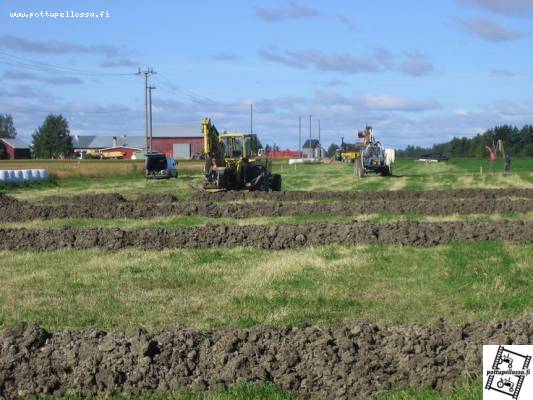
(371, 156)
(235, 161)
(347, 152)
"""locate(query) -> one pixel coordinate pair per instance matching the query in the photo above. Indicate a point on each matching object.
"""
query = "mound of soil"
(91, 199)
(7, 201)
(370, 196)
(269, 237)
(353, 360)
(156, 198)
(116, 206)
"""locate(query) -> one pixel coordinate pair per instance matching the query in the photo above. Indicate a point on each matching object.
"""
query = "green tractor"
(235, 161)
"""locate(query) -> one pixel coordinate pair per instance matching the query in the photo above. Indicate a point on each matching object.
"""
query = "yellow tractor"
(235, 161)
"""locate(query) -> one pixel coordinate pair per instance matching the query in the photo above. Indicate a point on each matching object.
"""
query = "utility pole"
(251, 118)
(311, 138)
(319, 143)
(150, 88)
(300, 136)
(147, 72)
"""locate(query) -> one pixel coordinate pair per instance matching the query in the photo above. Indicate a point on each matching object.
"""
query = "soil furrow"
(13, 210)
(283, 236)
(349, 360)
(351, 195)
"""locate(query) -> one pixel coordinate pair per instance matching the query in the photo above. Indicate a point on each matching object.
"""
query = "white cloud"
(489, 30)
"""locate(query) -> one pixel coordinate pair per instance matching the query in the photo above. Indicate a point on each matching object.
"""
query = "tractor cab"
(237, 145)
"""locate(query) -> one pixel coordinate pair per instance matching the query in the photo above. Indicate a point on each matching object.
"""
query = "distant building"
(312, 149)
(284, 154)
(15, 149)
(178, 142)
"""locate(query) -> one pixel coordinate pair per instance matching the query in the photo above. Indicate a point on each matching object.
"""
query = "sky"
(419, 72)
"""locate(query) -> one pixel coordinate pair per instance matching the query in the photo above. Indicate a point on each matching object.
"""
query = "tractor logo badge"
(506, 373)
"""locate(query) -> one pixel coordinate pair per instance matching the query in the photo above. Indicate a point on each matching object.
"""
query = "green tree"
(331, 150)
(52, 139)
(7, 128)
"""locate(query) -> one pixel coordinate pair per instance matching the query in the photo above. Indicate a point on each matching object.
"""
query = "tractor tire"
(221, 182)
(275, 185)
(386, 171)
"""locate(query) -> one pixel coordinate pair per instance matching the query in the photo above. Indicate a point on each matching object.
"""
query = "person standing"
(507, 164)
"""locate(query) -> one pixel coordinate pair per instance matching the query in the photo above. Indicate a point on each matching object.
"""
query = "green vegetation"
(52, 139)
(7, 128)
(194, 220)
(469, 391)
(245, 287)
(517, 142)
(268, 391)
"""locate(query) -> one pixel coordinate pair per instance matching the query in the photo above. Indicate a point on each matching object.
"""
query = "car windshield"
(232, 146)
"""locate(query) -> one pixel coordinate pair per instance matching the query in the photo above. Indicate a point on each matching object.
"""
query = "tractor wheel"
(276, 183)
(221, 181)
(386, 171)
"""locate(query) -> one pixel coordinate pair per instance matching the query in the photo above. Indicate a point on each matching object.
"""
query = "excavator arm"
(214, 169)
(213, 150)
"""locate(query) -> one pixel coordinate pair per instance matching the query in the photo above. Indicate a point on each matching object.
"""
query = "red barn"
(178, 142)
(14, 149)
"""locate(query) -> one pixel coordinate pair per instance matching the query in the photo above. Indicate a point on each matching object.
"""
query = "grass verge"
(190, 221)
(268, 391)
(72, 289)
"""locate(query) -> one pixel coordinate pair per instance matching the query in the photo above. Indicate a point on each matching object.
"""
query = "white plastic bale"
(4, 176)
(10, 176)
(13, 177)
(26, 175)
(19, 176)
(36, 174)
(44, 174)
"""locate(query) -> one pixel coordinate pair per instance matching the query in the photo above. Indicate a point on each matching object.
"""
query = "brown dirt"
(269, 237)
(354, 360)
(369, 196)
(115, 206)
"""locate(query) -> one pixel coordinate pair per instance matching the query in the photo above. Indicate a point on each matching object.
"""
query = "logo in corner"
(506, 372)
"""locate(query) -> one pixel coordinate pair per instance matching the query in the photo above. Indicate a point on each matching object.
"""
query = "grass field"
(469, 391)
(112, 176)
(244, 287)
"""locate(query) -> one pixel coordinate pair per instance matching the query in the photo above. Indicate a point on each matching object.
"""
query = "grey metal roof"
(177, 131)
(104, 142)
(131, 141)
(16, 143)
(101, 142)
(82, 142)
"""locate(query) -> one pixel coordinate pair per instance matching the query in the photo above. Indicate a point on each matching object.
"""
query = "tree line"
(516, 142)
(51, 140)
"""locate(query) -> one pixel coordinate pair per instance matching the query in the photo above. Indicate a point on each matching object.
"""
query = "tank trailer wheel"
(276, 183)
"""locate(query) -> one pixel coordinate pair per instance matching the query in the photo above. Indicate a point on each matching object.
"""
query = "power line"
(46, 67)
(181, 91)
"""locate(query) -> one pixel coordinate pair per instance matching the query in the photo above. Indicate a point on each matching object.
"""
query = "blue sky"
(420, 72)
